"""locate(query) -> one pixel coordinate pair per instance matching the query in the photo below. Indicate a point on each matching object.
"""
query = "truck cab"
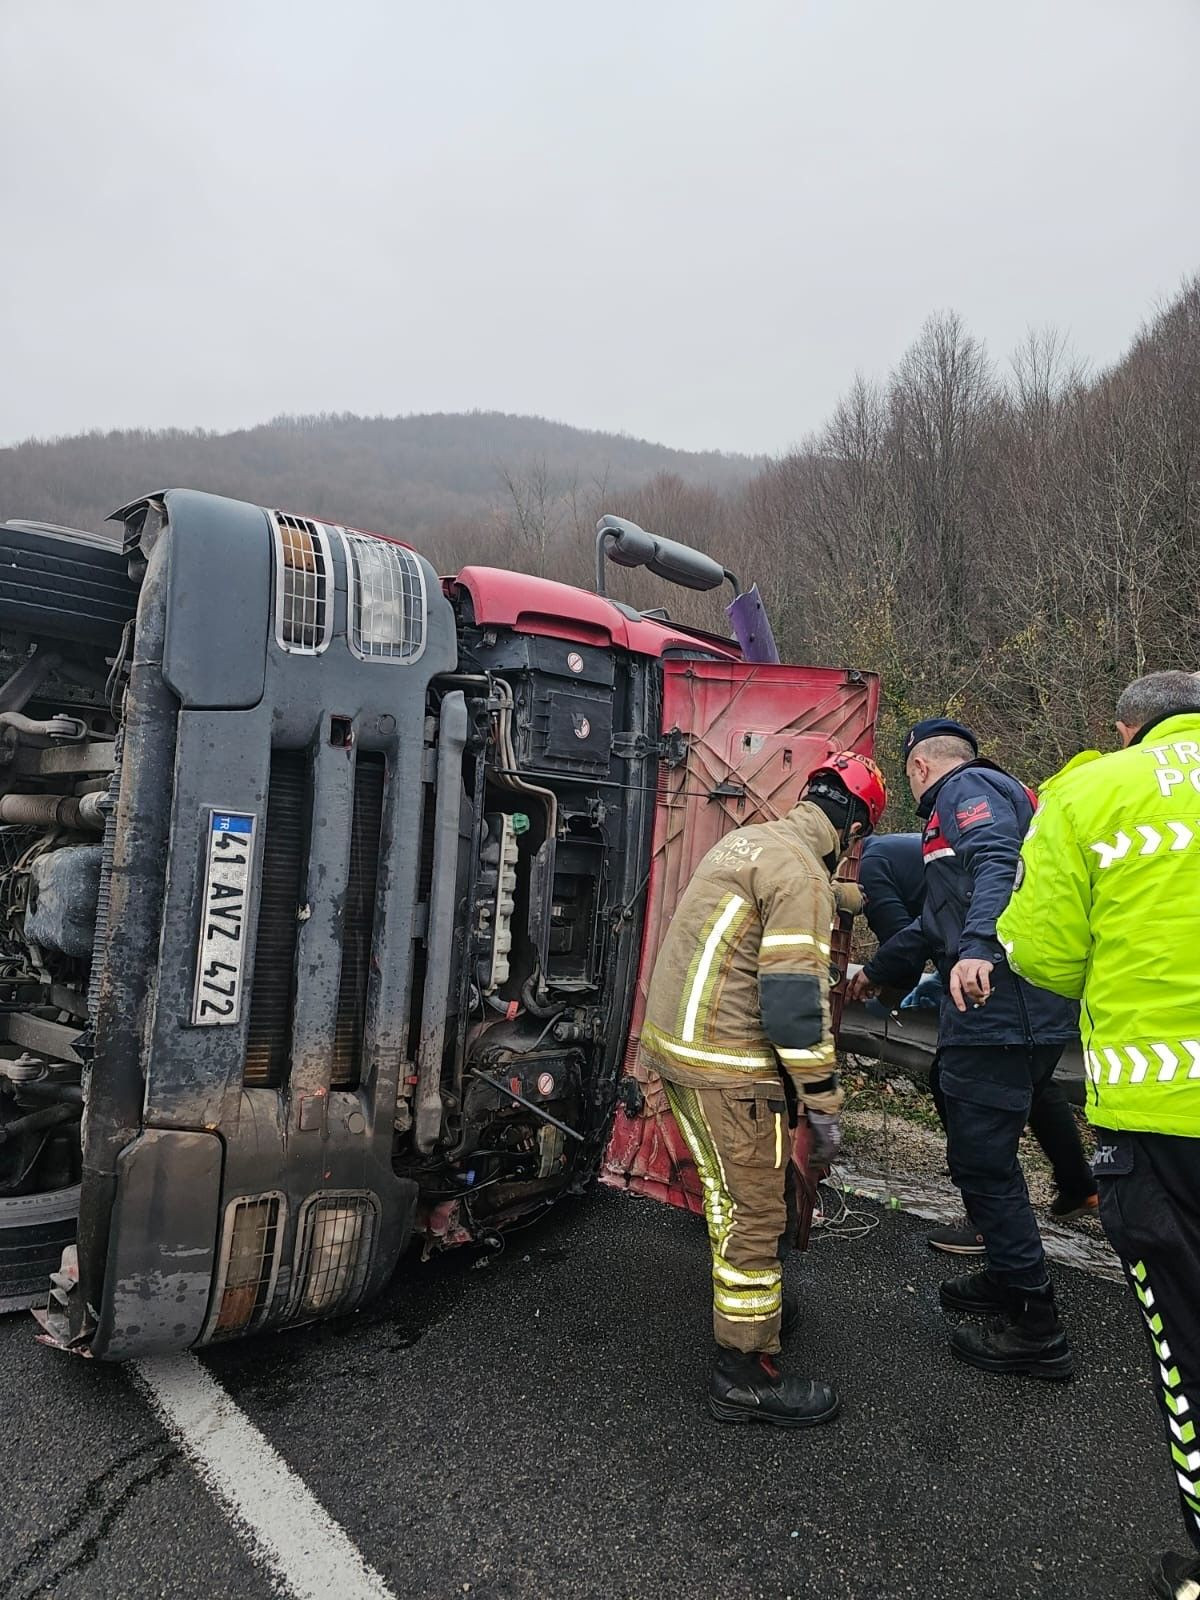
(330, 890)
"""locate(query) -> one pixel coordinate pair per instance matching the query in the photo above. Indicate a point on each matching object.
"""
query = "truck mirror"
(628, 545)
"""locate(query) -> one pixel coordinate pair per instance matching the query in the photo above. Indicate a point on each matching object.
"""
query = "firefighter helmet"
(859, 776)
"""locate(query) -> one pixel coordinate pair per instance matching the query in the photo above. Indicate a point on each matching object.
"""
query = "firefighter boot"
(977, 1293)
(1176, 1577)
(1028, 1338)
(747, 1386)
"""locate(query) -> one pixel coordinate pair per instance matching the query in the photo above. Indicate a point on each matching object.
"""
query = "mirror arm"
(603, 535)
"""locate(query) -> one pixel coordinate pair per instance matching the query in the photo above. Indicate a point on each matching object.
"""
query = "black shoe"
(962, 1241)
(977, 1293)
(1176, 1577)
(1027, 1340)
(789, 1321)
(747, 1386)
(1066, 1207)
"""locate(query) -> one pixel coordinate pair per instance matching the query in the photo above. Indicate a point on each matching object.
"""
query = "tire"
(34, 1230)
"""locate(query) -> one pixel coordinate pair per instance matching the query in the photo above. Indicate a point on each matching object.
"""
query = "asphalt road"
(534, 1428)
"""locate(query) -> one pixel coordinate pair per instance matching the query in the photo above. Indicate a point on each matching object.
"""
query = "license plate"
(221, 956)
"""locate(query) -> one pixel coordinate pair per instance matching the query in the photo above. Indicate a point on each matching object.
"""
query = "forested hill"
(412, 474)
(1010, 541)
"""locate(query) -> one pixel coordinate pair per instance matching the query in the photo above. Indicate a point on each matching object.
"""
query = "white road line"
(310, 1556)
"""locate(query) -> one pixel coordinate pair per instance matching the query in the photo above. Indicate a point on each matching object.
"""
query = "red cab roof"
(536, 605)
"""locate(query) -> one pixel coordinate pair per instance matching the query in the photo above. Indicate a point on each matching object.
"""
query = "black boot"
(977, 1293)
(1176, 1577)
(747, 1386)
(1028, 1338)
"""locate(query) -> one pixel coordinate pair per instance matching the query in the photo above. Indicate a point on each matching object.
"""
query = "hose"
(509, 779)
(54, 810)
(47, 1117)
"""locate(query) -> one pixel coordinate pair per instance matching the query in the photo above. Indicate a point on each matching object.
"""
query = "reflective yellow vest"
(1106, 910)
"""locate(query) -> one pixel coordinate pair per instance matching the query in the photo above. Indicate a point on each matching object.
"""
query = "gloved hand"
(848, 898)
(827, 1137)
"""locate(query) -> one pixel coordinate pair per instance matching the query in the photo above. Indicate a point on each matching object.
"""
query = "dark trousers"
(1052, 1124)
(985, 1096)
(1150, 1207)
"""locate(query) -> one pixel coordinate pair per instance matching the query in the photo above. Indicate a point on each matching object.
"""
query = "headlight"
(249, 1265)
(336, 1234)
(387, 599)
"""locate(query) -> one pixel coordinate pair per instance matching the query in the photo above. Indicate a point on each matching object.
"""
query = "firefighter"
(999, 1041)
(1107, 911)
(738, 1012)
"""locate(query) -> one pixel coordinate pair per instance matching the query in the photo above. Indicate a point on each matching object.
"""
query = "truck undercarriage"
(325, 888)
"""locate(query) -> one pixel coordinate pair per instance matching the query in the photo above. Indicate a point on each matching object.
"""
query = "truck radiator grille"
(358, 926)
(249, 1265)
(303, 584)
(268, 1043)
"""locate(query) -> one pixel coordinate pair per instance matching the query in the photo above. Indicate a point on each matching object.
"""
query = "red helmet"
(860, 776)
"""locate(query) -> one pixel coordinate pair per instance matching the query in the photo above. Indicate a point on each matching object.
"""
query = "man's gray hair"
(944, 747)
(1158, 695)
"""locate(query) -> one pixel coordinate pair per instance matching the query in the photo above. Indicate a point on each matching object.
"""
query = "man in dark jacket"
(891, 875)
(999, 1040)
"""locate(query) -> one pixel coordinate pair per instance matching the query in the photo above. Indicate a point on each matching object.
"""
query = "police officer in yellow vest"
(1107, 910)
(740, 997)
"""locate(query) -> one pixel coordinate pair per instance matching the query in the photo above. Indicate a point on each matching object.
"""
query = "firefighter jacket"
(976, 817)
(741, 984)
(1107, 911)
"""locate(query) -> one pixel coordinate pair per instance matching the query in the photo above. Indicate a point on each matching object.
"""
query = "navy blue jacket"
(891, 875)
(976, 818)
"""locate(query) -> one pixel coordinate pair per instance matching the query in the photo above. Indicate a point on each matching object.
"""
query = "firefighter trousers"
(1150, 1206)
(741, 1143)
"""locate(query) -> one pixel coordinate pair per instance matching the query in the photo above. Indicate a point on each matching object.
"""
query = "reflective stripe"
(685, 987)
(824, 1053)
(778, 941)
(747, 1302)
(734, 905)
(718, 1202)
(727, 1058)
(1118, 1057)
(1186, 1462)
(744, 1277)
(778, 1139)
(1153, 839)
(938, 855)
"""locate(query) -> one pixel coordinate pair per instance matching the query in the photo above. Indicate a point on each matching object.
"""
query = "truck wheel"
(34, 1230)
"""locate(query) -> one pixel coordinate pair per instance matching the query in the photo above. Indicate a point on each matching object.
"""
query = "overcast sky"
(687, 220)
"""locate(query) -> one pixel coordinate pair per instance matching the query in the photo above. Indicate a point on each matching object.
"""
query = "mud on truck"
(328, 895)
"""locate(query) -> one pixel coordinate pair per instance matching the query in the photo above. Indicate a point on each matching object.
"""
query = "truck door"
(739, 741)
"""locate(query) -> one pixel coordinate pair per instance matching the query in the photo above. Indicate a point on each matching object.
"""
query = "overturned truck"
(328, 895)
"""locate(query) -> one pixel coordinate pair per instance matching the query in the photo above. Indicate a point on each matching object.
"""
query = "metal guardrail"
(907, 1040)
